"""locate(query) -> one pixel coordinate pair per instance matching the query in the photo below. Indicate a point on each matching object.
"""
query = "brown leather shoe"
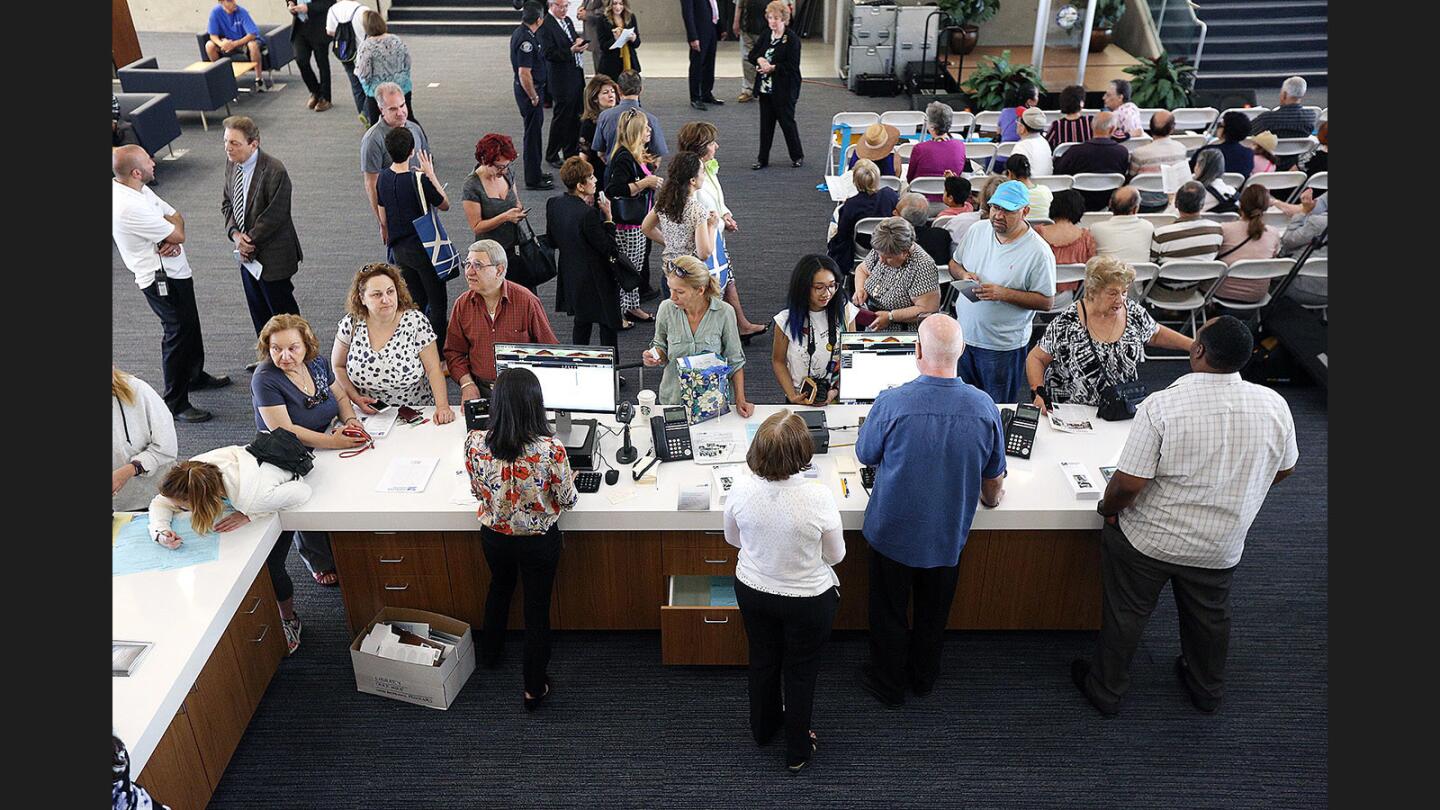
(322, 105)
(745, 95)
(311, 101)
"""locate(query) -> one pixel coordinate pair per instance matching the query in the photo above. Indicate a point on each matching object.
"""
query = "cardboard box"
(435, 686)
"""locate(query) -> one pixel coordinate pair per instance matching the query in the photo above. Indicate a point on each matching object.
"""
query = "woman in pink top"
(933, 157)
(1247, 238)
(1070, 243)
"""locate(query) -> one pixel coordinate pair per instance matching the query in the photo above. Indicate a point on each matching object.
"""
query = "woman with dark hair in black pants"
(776, 57)
(397, 191)
(522, 478)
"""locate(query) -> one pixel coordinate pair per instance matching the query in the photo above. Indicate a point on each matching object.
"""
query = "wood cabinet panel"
(610, 581)
(854, 575)
(711, 540)
(1020, 580)
(470, 584)
(367, 584)
(174, 774)
(713, 561)
(219, 709)
(257, 638)
(703, 636)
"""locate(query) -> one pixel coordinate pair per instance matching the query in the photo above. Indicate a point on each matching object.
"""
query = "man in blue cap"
(1014, 273)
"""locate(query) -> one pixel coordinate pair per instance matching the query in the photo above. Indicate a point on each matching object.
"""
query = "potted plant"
(967, 14)
(1107, 16)
(1161, 82)
(995, 77)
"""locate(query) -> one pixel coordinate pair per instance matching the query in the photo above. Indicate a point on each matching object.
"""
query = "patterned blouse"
(1076, 375)
(897, 287)
(680, 236)
(523, 497)
(382, 59)
(392, 374)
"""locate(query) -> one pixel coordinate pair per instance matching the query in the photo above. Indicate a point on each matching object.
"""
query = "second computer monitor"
(871, 362)
(573, 379)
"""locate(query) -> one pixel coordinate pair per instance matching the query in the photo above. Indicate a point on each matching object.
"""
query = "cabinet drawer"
(257, 637)
(702, 636)
(387, 562)
(705, 540)
(174, 774)
(387, 541)
(430, 593)
(717, 561)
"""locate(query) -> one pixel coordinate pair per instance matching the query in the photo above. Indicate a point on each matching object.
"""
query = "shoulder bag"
(283, 449)
(537, 257)
(433, 238)
(1118, 401)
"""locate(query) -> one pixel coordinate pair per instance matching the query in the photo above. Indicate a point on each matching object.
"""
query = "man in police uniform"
(527, 57)
(563, 47)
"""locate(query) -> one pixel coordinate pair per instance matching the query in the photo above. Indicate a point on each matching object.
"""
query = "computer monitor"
(573, 379)
(871, 362)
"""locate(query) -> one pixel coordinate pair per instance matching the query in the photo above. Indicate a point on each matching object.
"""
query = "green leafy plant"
(970, 12)
(1107, 12)
(1161, 82)
(995, 77)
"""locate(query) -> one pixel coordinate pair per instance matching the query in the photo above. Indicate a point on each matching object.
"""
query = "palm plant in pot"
(995, 78)
(1161, 82)
(967, 15)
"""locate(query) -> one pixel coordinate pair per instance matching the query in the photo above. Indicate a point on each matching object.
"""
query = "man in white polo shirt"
(1201, 456)
(1124, 235)
(150, 235)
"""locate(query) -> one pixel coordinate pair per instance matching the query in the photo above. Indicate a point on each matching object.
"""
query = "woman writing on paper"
(618, 19)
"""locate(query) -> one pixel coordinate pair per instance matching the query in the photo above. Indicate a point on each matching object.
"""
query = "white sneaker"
(292, 634)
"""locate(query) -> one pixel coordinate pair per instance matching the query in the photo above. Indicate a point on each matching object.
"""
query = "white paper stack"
(1083, 483)
(385, 642)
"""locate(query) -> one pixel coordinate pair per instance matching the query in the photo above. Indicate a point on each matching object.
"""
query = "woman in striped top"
(1071, 126)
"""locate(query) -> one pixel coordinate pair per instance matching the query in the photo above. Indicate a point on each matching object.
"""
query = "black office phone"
(671, 432)
(1020, 426)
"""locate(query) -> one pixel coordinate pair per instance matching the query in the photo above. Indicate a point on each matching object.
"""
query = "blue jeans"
(999, 374)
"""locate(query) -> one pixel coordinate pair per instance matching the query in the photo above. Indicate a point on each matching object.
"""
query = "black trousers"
(372, 109)
(608, 337)
(266, 299)
(182, 347)
(702, 71)
(314, 548)
(900, 656)
(425, 287)
(565, 117)
(785, 635)
(320, 50)
(357, 90)
(533, 559)
(778, 111)
(533, 116)
(1131, 583)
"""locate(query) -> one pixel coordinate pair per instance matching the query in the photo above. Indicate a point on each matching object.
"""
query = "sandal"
(638, 314)
(626, 325)
(814, 746)
(327, 578)
(746, 338)
(531, 704)
(292, 629)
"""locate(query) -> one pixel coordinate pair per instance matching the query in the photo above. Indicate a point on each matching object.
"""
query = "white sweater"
(788, 533)
(151, 441)
(254, 489)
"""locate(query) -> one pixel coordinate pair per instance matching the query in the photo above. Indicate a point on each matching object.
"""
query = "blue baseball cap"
(1012, 195)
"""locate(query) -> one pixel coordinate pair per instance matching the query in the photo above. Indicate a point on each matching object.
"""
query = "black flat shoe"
(252, 366)
(798, 163)
(193, 414)
(1079, 669)
(531, 704)
(699, 105)
(210, 381)
(541, 186)
(712, 100)
(757, 165)
(867, 681)
(1182, 668)
(749, 337)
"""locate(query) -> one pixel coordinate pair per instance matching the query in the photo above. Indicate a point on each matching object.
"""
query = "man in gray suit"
(256, 207)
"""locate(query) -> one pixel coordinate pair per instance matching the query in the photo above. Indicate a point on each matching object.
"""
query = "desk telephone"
(1020, 426)
(671, 432)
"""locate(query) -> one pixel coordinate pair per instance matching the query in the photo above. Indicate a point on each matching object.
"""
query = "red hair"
(493, 147)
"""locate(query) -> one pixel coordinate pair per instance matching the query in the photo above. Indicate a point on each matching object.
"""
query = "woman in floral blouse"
(520, 475)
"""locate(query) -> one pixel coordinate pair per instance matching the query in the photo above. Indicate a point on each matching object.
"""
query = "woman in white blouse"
(142, 441)
(788, 531)
(807, 332)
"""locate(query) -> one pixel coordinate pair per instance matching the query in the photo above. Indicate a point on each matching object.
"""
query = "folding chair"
(1250, 112)
(1317, 267)
(1160, 219)
(1054, 182)
(1059, 149)
(1136, 142)
(1281, 184)
(1323, 116)
(1221, 216)
(987, 121)
(1066, 274)
(845, 128)
(1146, 113)
(1192, 143)
(928, 185)
(1275, 218)
(1319, 113)
(1189, 301)
(1319, 181)
(941, 222)
(1097, 184)
(1150, 181)
(1145, 275)
(1233, 179)
(1092, 217)
(909, 122)
(891, 181)
(865, 228)
(902, 156)
(982, 153)
(961, 122)
(1296, 147)
(1003, 150)
(1194, 119)
(1033, 221)
(1253, 269)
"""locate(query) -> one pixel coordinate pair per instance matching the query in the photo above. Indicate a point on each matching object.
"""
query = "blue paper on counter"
(722, 592)
(135, 552)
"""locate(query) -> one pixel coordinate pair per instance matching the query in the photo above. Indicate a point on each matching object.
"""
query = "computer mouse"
(612, 477)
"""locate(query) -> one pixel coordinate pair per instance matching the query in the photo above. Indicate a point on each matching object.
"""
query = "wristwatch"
(139, 470)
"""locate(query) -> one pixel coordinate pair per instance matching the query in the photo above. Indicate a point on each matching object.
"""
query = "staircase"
(495, 17)
(1249, 44)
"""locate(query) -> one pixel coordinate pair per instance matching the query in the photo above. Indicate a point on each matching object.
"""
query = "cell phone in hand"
(969, 289)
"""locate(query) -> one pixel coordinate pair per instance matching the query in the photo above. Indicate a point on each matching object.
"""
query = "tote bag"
(438, 247)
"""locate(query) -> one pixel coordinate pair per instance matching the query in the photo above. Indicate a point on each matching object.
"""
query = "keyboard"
(867, 478)
(587, 481)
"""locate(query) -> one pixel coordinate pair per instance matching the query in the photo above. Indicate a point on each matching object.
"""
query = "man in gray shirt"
(373, 157)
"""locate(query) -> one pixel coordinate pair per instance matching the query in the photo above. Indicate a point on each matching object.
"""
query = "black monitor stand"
(580, 438)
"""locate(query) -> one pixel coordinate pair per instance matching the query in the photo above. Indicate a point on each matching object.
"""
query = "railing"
(1171, 29)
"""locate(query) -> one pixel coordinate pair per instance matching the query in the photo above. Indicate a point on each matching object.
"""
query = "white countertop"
(184, 613)
(1036, 494)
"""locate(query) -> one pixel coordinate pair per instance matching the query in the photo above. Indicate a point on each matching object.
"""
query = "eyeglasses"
(321, 394)
(831, 287)
(471, 264)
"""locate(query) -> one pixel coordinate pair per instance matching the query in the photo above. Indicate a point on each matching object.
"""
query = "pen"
(844, 487)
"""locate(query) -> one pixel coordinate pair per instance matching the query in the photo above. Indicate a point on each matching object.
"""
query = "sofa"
(151, 117)
(200, 90)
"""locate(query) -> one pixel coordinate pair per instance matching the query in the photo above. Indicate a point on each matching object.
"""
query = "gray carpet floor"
(1004, 726)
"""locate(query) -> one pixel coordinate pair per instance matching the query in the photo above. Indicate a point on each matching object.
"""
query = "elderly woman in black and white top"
(1099, 341)
(898, 279)
(789, 535)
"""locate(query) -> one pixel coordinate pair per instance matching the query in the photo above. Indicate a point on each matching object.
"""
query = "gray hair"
(938, 116)
(387, 88)
(913, 208)
(1103, 124)
(1295, 87)
(494, 250)
(1209, 165)
(1190, 198)
(893, 236)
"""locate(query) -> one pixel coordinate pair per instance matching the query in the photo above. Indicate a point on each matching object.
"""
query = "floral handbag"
(704, 386)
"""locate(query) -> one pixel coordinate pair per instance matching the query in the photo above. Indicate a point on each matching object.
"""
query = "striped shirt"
(1064, 130)
(1196, 239)
(1211, 445)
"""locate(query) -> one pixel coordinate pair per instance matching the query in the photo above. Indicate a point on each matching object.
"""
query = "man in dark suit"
(256, 207)
(308, 37)
(702, 30)
(563, 47)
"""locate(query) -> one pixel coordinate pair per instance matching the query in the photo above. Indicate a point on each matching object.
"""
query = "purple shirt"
(932, 158)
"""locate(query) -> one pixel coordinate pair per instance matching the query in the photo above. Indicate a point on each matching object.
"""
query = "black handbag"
(631, 210)
(537, 258)
(1118, 401)
(283, 449)
(625, 273)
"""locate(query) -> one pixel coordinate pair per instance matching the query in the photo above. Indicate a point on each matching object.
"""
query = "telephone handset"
(1020, 426)
(671, 432)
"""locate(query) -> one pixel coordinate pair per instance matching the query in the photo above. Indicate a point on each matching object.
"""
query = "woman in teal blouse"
(694, 320)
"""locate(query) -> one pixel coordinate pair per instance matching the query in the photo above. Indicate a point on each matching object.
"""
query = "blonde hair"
(200, 486)
(779, 7)
(867, 176)
(120, 387)
(280, 323)
(1106, 271)
(781, 447)
(630, 134)
(355, 297)
(695, 275)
